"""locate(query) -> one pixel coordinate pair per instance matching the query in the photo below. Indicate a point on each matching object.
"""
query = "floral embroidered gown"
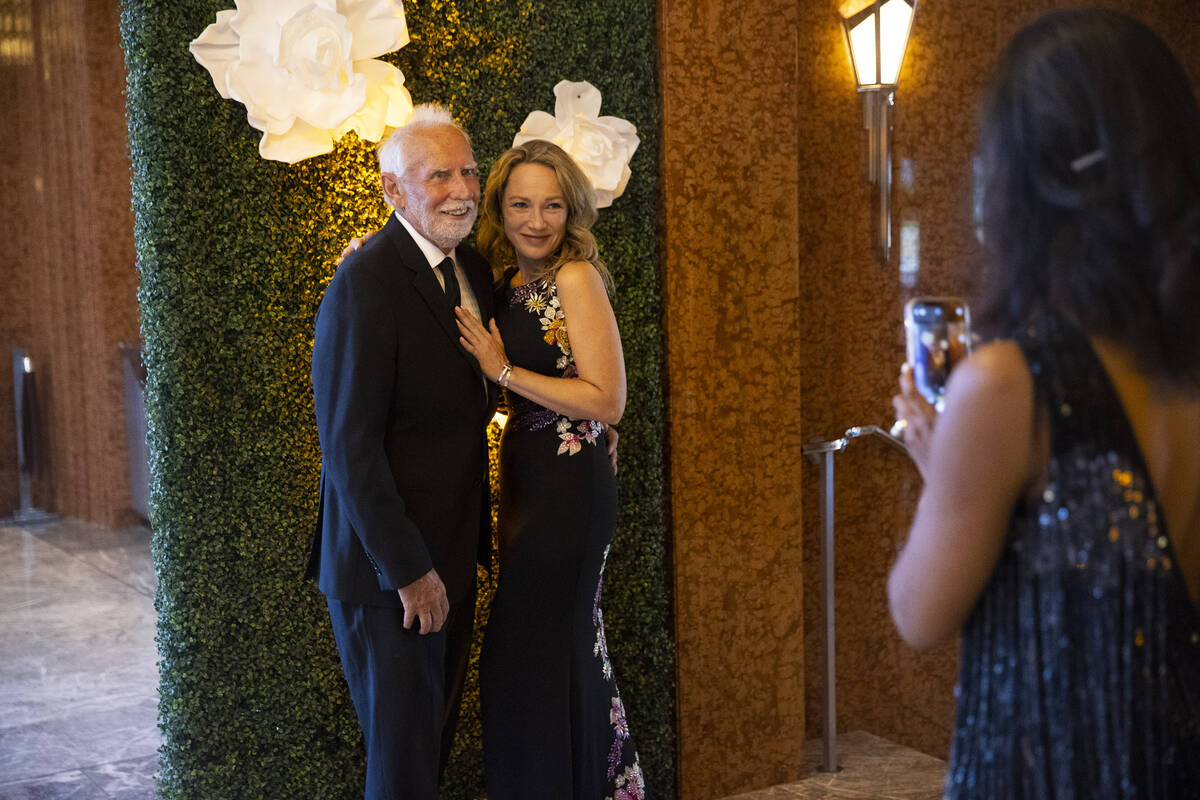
(553, 722)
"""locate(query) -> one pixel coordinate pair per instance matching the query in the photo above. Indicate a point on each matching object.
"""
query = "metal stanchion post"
(822, 452)
(25, 399)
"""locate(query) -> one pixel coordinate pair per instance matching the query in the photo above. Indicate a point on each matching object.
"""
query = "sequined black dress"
(1080, 670)
(553, 722)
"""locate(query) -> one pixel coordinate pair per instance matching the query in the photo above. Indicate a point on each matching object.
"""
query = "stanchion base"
(29, 516)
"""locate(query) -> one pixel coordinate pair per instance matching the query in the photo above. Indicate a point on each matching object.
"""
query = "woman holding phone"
(1059, 526)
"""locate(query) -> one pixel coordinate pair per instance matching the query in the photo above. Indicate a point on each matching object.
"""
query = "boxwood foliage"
(234, 253)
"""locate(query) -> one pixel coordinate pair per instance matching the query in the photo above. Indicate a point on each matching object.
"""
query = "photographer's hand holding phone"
(915, 417)
(937, 335)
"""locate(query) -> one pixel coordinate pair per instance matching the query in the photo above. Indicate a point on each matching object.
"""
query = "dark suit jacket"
(401, 412)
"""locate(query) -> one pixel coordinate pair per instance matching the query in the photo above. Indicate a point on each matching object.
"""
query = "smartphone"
(937, 333)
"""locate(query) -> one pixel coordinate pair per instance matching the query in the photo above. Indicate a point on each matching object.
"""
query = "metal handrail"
(821, 451)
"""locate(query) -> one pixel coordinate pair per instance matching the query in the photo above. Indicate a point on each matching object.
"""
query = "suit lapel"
(423, 280)
(427, 286)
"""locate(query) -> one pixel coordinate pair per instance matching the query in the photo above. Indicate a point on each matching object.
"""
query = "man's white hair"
(425, 116)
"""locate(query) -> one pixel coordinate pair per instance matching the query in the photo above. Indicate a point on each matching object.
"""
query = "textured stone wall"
(69, 280)
(852, 342)
(783, 328)
(731, 109)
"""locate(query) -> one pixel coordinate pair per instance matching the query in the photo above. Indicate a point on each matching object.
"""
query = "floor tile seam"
(47, 721)
(93, 781)
(130, 586)
(81, 770)
(39, 778)
(95, 568)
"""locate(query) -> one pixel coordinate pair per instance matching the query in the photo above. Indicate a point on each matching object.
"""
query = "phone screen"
(938, 336)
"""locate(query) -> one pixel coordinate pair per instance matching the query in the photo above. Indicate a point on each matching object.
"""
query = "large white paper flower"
(306, 70)
(602, 146)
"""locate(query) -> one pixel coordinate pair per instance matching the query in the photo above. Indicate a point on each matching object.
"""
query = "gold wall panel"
(731, 105)
(782, 328)
(69, 287)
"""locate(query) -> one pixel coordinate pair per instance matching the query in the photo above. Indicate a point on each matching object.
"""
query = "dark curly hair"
(1089, 144)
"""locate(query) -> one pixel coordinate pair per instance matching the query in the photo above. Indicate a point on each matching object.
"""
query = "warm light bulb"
(895, 16)
(862, 45)
(877, 63)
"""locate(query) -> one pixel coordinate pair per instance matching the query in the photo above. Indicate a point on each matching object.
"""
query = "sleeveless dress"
(553, 722)
(1080, 669)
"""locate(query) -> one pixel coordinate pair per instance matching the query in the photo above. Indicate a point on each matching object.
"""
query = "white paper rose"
(602, 146)
(306, 70)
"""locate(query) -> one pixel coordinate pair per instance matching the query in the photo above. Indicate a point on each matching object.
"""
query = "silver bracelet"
(505, 374)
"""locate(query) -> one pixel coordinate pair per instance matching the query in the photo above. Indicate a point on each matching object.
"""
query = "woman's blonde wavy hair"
(578, 243)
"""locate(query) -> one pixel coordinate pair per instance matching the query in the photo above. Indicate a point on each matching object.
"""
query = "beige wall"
(69, 281)
(782, 328)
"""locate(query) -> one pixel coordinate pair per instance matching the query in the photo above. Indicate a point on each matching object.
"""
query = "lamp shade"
(877, 35)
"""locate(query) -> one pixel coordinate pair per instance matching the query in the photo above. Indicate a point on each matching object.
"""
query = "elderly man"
(401, 413)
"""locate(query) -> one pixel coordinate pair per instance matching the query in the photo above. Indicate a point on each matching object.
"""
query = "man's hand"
(612, 435)
(425, 599)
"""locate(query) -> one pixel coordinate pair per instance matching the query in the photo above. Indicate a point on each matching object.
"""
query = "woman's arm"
(981, 458)
(599, 391)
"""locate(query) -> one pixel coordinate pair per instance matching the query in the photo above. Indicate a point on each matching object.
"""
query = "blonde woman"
(554, 725)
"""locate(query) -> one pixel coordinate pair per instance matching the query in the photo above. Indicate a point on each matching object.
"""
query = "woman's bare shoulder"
(578, 273)
(996, 368)
(579, 279)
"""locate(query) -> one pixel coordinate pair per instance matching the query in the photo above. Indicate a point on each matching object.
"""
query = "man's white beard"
(446, 231)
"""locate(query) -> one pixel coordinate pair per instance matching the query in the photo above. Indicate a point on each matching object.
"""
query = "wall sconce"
(877, 36)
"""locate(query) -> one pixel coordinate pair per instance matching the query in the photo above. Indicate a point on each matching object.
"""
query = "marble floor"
(78, 681)
(872, 769)
(79, 685)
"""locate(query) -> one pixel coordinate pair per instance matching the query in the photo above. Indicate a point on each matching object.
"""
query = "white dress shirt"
(434, 255)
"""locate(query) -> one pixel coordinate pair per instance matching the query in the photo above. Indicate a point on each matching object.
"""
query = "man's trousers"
(406, 689)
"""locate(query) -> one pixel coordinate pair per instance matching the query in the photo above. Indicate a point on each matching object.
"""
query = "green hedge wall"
(233, 254)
